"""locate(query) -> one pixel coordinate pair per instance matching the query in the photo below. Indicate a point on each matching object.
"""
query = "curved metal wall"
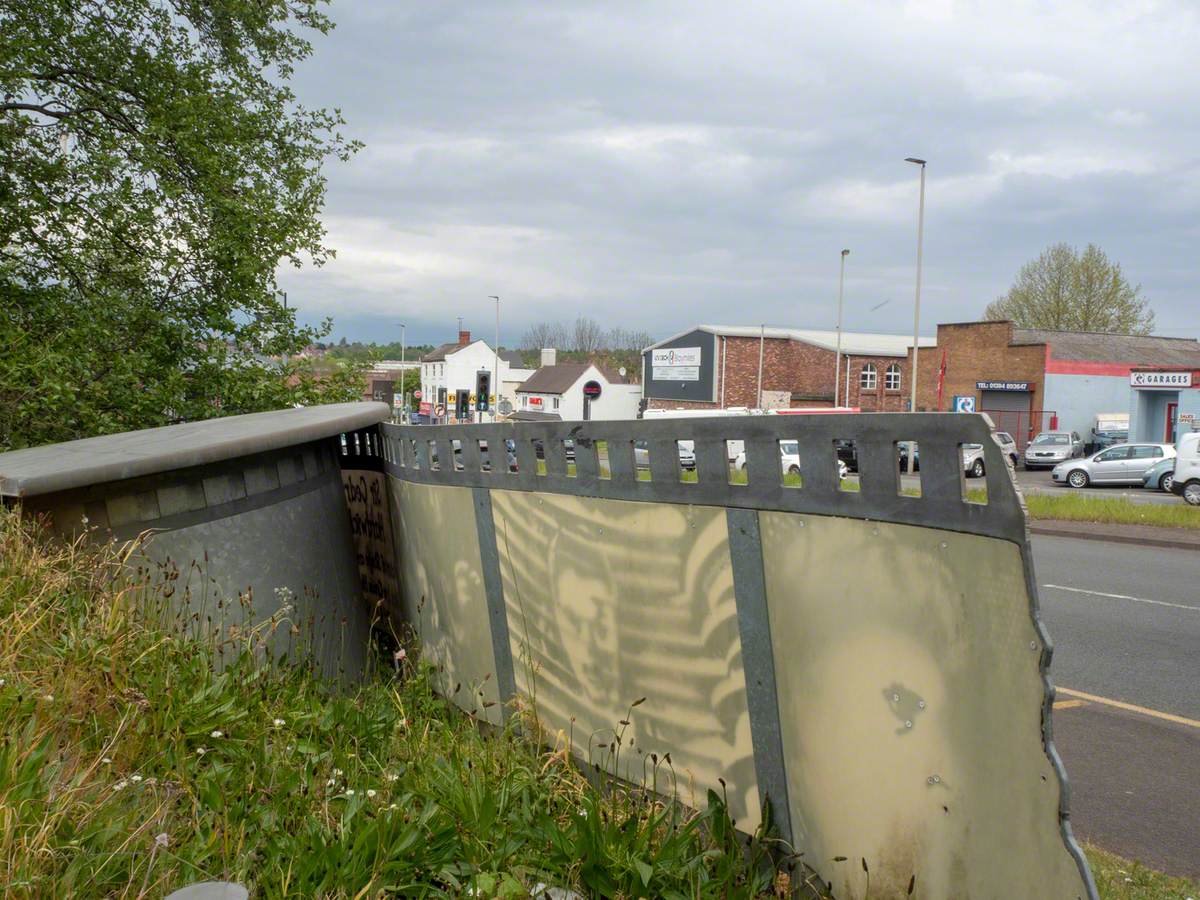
(871, 662)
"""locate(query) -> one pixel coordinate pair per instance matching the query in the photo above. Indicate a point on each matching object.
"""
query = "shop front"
(1164, 404)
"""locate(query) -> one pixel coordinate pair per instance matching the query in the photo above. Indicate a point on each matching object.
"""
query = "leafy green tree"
(155, 170)
(1066, 290)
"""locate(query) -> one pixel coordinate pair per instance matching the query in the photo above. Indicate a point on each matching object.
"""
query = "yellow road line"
(1129, 707)
(1068, 704)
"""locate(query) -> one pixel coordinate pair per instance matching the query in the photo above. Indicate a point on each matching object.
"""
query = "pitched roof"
(553, 379)
(513, 358)
(439, 354)
(1090, 346)
(854, 343)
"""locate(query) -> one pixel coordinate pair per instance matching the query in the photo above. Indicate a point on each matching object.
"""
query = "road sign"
(417, 393)
(440, 410)
(964, 404)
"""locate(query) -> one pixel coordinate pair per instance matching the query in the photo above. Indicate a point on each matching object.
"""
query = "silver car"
(1050, 448)
(1122, 464)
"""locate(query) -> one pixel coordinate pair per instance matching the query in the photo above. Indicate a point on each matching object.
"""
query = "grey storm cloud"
(654, 165)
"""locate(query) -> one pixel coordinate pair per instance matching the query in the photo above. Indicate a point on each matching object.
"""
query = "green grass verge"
(131, 766)
(1120, 879)
(1116, 511)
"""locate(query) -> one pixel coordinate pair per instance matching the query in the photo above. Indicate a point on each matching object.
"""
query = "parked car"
(1122, 464)
(1050, 448)
(847, 452)
(1186, 482)
(1160, 475)
(972, 460)
(789, 460)
(1007, 445)
(687, 455)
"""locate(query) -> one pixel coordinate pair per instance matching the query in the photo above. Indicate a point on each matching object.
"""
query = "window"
(556, 403)
(1117, 453)
(1145, 452)
(891, 379)
(866, 378)
(524, 401)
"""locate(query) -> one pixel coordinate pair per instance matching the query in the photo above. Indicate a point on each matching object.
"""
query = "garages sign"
(675, 364)
(1160, 379)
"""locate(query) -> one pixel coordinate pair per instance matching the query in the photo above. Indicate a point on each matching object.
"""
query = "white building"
(578, 392)
(453, 367)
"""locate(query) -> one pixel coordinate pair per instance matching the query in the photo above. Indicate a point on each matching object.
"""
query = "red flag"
(941, 380)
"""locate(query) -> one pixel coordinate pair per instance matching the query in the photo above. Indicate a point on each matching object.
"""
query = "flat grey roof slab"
(114, 457)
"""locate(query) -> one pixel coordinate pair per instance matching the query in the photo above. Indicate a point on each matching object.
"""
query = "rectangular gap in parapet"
(735, 452)
(456, 454)
(603, 467)
(570, 450)
(641, 460)
(685, 451)
(846, 452)
(434, 462)
(789, 463)
(972, 473)
(908, 467)
(539, 455)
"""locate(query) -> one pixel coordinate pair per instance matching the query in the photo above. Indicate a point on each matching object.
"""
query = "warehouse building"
(722, 366)
(1029, 379)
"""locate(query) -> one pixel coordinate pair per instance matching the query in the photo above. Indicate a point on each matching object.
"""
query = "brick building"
(717, 366)
(1030, 379)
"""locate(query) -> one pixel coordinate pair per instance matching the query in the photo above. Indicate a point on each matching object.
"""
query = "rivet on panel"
(895, 698)
(908, 723)
(920, 704)
(1033, 645)
(934, 779)
(875, 531)
(801, 523)
(944, 545)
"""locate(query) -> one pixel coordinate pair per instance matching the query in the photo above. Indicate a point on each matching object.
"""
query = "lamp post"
(912, 405)
(403, 373)
(837, 366)
(762, 341)
(496, 357)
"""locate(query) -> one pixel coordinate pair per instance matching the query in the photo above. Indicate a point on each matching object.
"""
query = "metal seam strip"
(758, 664)
(493, 586)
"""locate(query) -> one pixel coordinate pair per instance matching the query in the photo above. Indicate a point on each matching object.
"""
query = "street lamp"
(912, 405)
(837, 366)
(403, 373)
(496, 357)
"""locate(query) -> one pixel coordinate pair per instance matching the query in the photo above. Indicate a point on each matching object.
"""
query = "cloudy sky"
(655, 165)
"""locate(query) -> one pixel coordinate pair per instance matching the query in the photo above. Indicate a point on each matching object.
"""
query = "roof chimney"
(464, 338)
(549, 356)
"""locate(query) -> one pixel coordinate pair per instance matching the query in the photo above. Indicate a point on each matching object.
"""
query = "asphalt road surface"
(1125, 621)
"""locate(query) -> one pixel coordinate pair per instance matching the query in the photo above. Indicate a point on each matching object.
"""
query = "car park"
(1160, 476)
(687, 455)
(789, 460)
(1186, 482)
(1050, 448)
(1121, 464)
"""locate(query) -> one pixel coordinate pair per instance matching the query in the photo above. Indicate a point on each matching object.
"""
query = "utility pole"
(912, 405)
(403, 370)
(285, 355)
(837, 366)
(762, 341)
(495, 360)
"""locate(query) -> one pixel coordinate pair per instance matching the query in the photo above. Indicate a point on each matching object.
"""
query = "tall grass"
(133, 764)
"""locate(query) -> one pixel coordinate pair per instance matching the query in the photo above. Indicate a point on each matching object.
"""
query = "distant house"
(454, 366)
(578, 392)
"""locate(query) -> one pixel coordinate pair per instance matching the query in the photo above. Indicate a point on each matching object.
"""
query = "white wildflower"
(162, 839)
(216, 734)
(400, 654)
(393, 777)
(338, 772)
(404, 723)
(349, 792)
(83, 519)
(120, 786)
(3, 682)
(393, 806)
(331, 782)
(135, 778)
(107, 761)
(370, 793)
(279, 723)
(201, 751)
(49, 698)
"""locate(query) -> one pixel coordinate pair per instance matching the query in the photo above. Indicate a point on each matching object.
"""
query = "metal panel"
(910, 677)
(497, 613)
(611, 601)
(443, 594)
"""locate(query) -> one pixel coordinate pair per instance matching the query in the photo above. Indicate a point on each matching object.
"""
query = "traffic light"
(483, 388)
(462, 405)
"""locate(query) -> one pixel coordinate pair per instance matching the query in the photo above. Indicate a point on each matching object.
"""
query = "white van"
(1187, 468)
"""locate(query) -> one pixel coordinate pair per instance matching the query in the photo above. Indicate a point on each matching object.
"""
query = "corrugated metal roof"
(854, 343)
(1089, 346)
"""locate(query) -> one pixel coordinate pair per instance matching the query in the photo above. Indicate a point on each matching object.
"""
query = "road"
(1125, 621)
